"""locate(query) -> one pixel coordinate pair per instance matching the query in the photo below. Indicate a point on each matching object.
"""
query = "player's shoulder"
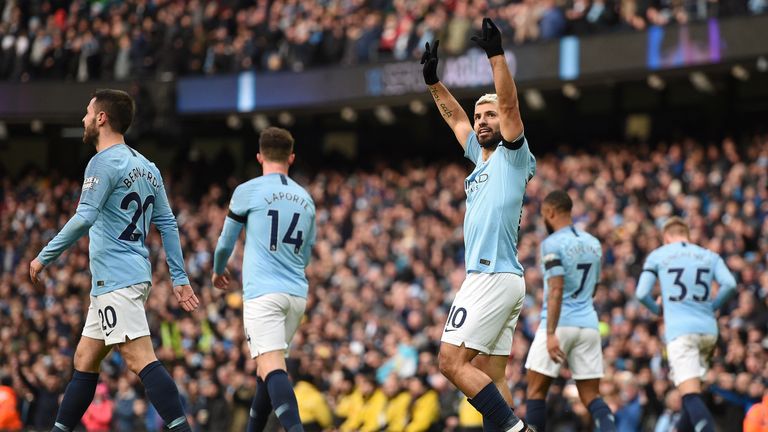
(660, 252)
(113, 159)
(248, 186)
(589, 238)
(714, 256)
(300, 188)
(552, 241)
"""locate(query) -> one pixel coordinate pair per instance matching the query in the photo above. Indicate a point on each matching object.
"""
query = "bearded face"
(487, 125)
(550, 229)
(91, 133)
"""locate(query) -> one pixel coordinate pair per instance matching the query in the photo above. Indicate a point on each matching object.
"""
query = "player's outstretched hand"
(186, 297)
(490, 40)
(35, 267)
(553, 347)
(429, 60)
(221, 281)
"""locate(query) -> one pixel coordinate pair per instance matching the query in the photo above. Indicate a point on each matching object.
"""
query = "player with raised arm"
(279, 220)
(685, 272)
(122, 194)
(570, 260)
(477, 339)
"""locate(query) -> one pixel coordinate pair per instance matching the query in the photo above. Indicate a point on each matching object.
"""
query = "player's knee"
(537, 387)
(535, 392)
(448, 364)
(136, 361)
(84, 361)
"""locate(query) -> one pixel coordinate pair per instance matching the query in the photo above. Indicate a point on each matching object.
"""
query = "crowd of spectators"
(387, 263)
(117, 39)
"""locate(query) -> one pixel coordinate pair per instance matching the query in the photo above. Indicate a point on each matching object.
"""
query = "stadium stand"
(387, 263)
(117, 40)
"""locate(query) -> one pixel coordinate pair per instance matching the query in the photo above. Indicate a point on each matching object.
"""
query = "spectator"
(98, 416)
(159, 39)
(9, 415)
(124, 418)
(757, 417)
(671, 414)
(387, 262)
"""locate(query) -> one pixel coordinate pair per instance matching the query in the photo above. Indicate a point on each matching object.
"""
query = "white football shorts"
(485, 311)
(271, 320)
(118, 315)
(581, 347)
(689, 356)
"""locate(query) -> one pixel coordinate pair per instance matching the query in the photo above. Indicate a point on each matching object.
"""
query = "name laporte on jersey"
(287, 196)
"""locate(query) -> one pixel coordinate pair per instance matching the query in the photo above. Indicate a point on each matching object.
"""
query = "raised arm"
(449, 107)
(511, 124)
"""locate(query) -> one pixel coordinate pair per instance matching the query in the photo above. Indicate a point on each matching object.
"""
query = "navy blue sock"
(164, 395)
(698, 414)
(602, 416)
(684, 422)
(284, 400)
(536, 413)
(493, 407)
(77, 397)
(261, 407)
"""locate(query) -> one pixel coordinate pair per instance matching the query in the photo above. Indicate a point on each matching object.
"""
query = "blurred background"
(640, 109)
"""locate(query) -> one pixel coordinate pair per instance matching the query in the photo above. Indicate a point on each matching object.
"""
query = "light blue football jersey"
(279, 219)
(685, 272)
(495, 191)
(122, 194)
(575, 255)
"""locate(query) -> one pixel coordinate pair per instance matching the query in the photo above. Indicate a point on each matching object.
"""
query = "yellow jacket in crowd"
(313, 407)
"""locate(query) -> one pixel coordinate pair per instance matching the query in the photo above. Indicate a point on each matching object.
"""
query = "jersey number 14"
(288, 238)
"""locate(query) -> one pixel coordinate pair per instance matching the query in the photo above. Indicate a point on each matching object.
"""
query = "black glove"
(429, 60)
(490, 41)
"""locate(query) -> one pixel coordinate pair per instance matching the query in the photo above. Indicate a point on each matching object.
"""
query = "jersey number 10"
(288, 237)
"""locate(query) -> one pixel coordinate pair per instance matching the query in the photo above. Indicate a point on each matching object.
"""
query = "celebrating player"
(122, 191)
(477, 338)
(685, 272)
(568, 330)
(279, 219)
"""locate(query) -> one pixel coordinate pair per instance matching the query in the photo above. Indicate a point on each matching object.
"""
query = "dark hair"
(560, 201)
(119, 107)
(275, 144)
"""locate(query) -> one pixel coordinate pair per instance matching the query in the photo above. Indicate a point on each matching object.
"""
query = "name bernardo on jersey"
(287, 196)
(138, 173)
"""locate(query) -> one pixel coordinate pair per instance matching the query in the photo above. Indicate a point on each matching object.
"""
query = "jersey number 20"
(129, 233)
(288, 238)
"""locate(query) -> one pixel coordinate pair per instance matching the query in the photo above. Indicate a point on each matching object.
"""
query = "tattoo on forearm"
(446, 112)
(435, 94)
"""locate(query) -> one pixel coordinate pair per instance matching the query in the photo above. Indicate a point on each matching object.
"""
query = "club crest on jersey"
(90, 183)
(471, 185)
